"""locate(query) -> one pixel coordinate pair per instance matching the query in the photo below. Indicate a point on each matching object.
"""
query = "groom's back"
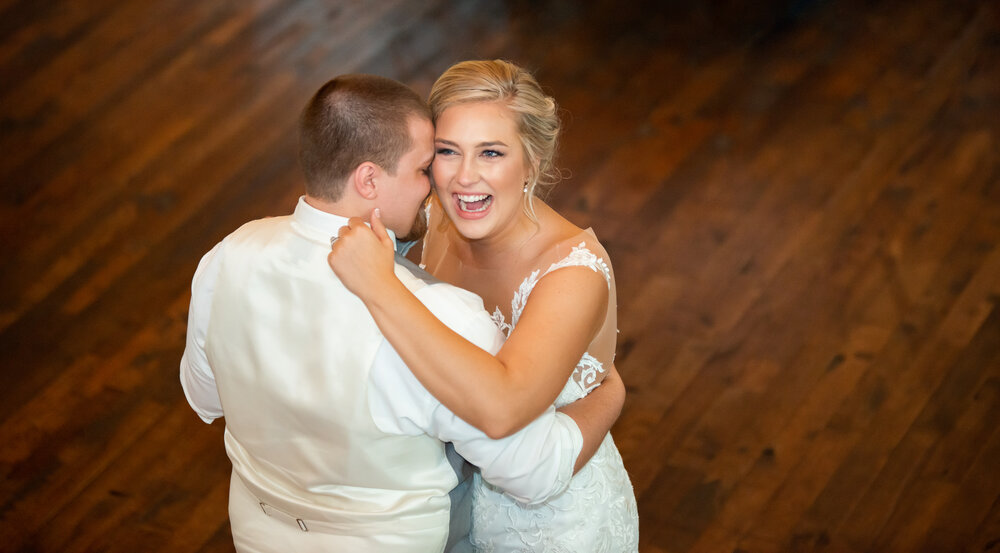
(291, 349)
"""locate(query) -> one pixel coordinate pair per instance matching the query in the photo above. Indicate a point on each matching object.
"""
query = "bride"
(548, 282)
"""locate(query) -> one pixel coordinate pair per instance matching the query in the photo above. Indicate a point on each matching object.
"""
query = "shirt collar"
(322, 221)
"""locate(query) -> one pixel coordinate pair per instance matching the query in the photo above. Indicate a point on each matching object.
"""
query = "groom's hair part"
(350, 120)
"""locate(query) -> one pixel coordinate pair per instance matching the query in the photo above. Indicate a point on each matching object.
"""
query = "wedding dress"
(597, 513)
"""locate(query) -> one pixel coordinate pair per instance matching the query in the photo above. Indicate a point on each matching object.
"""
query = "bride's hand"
(362, 257)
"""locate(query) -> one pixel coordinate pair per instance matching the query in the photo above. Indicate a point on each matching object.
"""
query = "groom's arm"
(596, 413)
(531, 465)
(197, 378)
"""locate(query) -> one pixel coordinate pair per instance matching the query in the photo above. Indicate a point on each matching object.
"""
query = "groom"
(335, 445)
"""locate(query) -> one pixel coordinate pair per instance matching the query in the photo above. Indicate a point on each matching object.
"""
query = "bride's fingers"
(378, 227)
(356, 233)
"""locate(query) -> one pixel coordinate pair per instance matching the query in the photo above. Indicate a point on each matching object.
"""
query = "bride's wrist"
(385, 294)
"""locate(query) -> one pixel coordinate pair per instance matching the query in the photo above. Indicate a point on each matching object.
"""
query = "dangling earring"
(525, 189)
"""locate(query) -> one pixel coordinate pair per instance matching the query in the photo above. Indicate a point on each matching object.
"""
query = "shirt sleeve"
(197, 378)
(531, 465)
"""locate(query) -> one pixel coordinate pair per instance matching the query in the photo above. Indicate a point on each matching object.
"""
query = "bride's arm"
(498, 395)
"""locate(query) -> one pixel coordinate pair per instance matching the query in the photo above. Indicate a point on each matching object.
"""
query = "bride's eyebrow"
(480, 145)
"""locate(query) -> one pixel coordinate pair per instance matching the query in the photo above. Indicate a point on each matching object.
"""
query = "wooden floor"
(801, 200)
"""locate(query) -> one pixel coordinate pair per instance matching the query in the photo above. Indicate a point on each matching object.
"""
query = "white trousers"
(257, 531)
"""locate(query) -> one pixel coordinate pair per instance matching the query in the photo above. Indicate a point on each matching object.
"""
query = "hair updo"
(535, 112)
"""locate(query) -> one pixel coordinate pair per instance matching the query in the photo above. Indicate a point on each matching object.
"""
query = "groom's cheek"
(419, 228)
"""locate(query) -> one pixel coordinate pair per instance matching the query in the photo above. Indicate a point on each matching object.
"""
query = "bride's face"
(479, 168)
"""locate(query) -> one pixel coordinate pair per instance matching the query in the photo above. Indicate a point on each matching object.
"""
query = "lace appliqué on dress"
(516, 304)
(597, 513)
(579, 257)
(588, 372)
(582, 257)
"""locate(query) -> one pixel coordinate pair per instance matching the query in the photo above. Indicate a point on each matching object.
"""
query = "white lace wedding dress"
(597, 513)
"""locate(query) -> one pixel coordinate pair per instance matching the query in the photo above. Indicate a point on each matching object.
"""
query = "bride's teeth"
(483, 202)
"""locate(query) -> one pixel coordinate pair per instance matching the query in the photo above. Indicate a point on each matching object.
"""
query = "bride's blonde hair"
(537, 122)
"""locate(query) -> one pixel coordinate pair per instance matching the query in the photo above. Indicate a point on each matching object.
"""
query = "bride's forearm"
(471, 382)
(497, 394)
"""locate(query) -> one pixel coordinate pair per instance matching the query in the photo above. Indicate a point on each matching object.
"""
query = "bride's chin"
(468, 229)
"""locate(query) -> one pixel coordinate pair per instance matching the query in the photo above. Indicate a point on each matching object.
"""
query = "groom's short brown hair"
(352, 119)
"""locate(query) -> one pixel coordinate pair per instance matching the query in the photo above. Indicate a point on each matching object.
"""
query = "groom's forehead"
(422, 137)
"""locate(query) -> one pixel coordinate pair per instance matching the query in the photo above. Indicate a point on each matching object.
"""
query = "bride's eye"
(492, 153)
(445, 151)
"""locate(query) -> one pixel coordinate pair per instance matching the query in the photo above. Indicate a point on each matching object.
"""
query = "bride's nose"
(468, 173)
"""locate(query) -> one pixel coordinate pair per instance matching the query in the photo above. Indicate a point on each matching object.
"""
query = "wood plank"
(801, 201)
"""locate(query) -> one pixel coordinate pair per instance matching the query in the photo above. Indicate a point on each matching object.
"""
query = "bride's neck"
(503, 250)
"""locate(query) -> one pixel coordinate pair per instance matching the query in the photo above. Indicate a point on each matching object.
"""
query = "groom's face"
(406, 191)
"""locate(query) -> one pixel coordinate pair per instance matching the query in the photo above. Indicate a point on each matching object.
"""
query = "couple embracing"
(356, 398)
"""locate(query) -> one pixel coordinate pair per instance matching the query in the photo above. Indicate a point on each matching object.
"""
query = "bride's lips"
(472, 206)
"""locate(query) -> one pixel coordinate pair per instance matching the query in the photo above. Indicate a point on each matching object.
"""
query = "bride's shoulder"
(570, 245)
(587, 239)
(570, 238)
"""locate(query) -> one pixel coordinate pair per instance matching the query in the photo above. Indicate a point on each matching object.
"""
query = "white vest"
(291, 350)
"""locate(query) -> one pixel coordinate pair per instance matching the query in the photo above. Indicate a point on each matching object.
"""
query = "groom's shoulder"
(418, 276)
(257, 227)
(459, 309)
(425, 285)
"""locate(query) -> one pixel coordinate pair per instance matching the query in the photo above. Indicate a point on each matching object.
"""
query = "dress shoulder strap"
(581, 256)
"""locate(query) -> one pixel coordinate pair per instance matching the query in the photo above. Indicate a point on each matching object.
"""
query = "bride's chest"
(498, 289)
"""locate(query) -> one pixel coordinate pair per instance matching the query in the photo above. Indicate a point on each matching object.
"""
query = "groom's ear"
(363, 179)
